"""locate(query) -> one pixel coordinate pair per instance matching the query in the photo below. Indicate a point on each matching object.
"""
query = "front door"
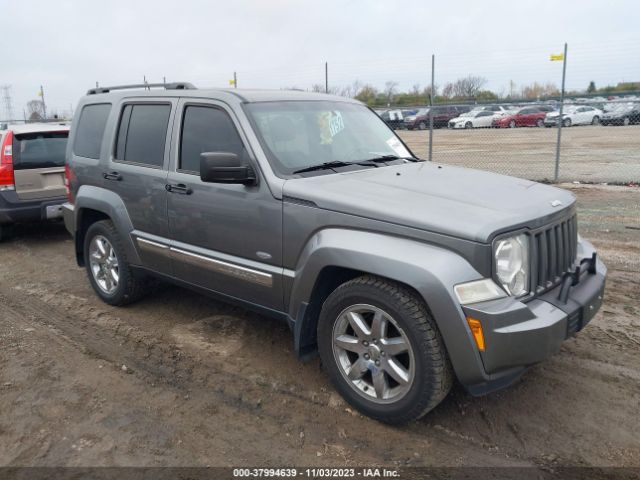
(224, 237)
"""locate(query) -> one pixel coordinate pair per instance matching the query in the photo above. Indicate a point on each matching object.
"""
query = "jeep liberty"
(403, 275)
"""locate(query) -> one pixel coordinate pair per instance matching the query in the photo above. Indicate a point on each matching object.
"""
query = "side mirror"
(225, 167)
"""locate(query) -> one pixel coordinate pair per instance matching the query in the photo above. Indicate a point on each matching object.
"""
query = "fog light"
(476, 330)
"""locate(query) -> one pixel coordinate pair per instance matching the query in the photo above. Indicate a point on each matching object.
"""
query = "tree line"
(470, 88)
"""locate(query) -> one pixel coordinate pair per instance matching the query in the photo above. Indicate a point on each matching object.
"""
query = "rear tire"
(512, 124)
(596, 120)
(406, 337)
(540, 123)
(626, 121)
(110, 273)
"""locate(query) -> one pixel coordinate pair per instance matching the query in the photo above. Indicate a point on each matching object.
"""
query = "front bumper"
(518, 335)
(14, 210)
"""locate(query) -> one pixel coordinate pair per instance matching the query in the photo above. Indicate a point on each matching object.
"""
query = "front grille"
(554, 251)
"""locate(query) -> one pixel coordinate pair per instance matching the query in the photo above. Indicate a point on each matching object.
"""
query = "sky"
(67, 46)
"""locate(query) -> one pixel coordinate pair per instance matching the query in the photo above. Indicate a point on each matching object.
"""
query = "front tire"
(468, 125)
(382, 350)
(422, 126)
(595, 120)
(540, 123)
(512, 124)
(109, 271)
(566, 122)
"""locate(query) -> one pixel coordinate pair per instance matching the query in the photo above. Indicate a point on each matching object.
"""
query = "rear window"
(90, 130)
(39, 150)
(142, 134)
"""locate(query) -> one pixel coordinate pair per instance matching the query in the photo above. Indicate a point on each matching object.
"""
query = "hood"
(459, 202)
(410, 118)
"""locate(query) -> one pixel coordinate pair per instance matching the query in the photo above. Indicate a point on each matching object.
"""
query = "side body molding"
(109, 203)
(432, 271)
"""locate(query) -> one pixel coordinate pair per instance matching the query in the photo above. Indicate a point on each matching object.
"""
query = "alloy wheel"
(104, 264)
(373, 353)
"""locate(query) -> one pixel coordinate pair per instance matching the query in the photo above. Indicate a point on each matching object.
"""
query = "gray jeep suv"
(402, 274)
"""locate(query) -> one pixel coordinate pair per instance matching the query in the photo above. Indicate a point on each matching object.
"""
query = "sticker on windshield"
(331, 124)
(398, 147)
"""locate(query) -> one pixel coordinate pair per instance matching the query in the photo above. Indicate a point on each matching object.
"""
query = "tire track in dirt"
(309, 423)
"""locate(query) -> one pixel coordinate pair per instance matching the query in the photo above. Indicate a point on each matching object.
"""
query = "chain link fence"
(596, 141)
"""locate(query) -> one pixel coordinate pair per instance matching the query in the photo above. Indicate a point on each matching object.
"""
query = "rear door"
(38, 164)
(137, 172)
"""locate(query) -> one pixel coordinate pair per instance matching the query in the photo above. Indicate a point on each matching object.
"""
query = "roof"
(229, 94)
(38, 127)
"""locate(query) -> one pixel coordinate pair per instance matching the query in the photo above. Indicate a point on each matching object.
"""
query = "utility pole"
(44, 105)
(8, 103)
(433, 65)
(326, 77)
(560, 121)
(235, 80)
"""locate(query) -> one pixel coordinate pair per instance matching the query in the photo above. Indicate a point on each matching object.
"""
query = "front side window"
(142, 134)
(90, 130)
(301, 134)
(206, 129)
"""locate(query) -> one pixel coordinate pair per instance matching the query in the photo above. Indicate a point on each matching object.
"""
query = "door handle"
(179, 188)
(112, 176)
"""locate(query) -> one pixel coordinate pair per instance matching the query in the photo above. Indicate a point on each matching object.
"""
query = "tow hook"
(571, 279)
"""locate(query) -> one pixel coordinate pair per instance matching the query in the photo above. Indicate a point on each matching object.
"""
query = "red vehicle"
(525, 117)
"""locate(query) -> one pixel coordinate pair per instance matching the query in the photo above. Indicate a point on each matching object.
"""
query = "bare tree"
(367, 94)
(390, 90)
(537, 90)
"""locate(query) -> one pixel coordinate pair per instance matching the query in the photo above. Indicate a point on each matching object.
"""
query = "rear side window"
(206, 129)
(142, 133)
(39, 150)
(90, 130)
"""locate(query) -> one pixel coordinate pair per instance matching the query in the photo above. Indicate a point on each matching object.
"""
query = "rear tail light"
(69, 177)
(7, 180)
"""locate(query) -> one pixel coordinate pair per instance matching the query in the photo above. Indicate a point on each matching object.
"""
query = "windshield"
(39, 150)
(300, 134)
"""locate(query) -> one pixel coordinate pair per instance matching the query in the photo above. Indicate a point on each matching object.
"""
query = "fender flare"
(430, 270)
(110, 204)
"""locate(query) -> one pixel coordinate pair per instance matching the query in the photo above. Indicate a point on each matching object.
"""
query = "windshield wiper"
(385, 158)
(326, 166)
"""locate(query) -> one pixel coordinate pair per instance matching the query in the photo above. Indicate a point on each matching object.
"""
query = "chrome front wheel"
(104, 264)
(373, 353)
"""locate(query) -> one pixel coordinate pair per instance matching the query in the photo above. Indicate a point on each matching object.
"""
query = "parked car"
(574, 115)
(401, 274)
(474, 119)
(524, 117)
(419, 120)
(31, 173)
(547, 108)
(441, 117)
(622, 114)
(395, 118)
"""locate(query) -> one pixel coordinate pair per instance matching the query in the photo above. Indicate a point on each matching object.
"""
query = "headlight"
(512, 264)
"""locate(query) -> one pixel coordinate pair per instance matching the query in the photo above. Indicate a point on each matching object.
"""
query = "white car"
(575, 115)
(474, 119)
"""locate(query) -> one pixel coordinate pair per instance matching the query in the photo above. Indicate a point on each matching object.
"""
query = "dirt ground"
(589, 153)
(181, 380)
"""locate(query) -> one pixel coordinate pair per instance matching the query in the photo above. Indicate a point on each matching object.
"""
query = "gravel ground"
(182, 380)
(589, 153)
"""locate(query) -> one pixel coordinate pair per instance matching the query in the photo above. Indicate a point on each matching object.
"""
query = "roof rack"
(146, 86)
